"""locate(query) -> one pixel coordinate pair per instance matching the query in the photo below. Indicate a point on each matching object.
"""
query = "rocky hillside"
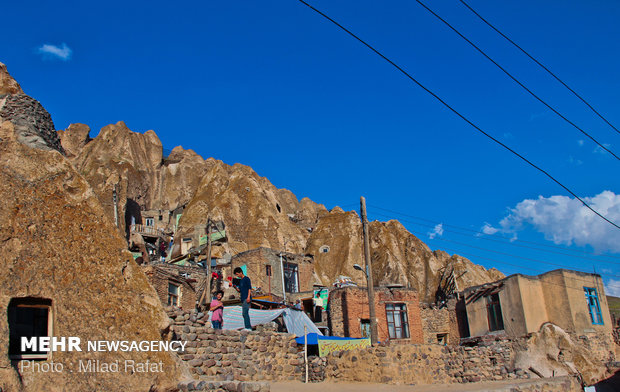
(397, 255)
(59, 245)
(255, 212)
(133, 163)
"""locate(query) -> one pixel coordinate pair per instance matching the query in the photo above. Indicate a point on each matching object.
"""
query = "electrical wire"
(530, 268)
(458, 113)
(516, 80)
(510, 255)
(480, 234)
(504, 242)
(541, 65)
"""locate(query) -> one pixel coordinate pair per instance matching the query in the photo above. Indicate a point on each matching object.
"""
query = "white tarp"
(293, 319)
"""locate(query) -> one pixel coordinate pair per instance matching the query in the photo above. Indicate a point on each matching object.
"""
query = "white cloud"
(580, 142)
(612, 288)
(437, 231)
(52, 51)
(574, 161)
(488, 229)
(600, 150)
(565, 220)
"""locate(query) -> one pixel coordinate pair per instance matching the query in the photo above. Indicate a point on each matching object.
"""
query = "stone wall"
(440, 321)
(33, 124)
(424, 364)
(265, 355)
(225, 355)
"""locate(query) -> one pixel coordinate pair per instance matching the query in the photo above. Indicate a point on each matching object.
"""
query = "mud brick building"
(397, 310)
(265, 270)
(520, 304)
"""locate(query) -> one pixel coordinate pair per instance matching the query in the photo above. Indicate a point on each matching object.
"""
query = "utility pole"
(369, 280)
(282, 271)
(208, 255)
(207, 289)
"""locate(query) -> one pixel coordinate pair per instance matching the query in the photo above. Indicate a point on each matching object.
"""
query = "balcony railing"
(147, 230)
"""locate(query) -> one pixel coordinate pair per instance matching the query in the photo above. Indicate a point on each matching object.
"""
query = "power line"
(541, 65)
(470, 255)
(517, 81)
(530, 268)
(511, 255)
(457, 113)
(504, 242)
(480, 234)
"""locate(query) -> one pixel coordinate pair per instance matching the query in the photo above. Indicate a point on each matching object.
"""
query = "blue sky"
(274, 86)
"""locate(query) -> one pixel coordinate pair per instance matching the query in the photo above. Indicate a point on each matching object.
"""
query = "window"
(268, 270)
(324, 249)
(494, 312)
(365, 327)
(291, 278)
(173, 294)
(28, 317)
(398, 324)
(149, 221)
(442, 338)
(593, 305)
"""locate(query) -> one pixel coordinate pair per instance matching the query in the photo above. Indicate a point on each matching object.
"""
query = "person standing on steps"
(217, 307)
(245, 290)
(318, 308)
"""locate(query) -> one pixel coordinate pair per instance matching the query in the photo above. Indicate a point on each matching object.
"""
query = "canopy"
(295, 320)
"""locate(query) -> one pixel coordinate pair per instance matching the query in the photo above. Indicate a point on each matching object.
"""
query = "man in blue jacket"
(245, 289)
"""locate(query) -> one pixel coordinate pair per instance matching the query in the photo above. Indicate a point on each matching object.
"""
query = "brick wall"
(349, 305)
(160, 278)
(257, 259)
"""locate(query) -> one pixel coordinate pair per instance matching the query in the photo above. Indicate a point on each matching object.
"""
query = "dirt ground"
(368, 387)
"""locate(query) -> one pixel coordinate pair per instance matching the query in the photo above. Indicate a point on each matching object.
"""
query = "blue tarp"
(313, 338)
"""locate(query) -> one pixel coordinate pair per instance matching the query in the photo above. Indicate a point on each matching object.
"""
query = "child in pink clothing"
(217, 307)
